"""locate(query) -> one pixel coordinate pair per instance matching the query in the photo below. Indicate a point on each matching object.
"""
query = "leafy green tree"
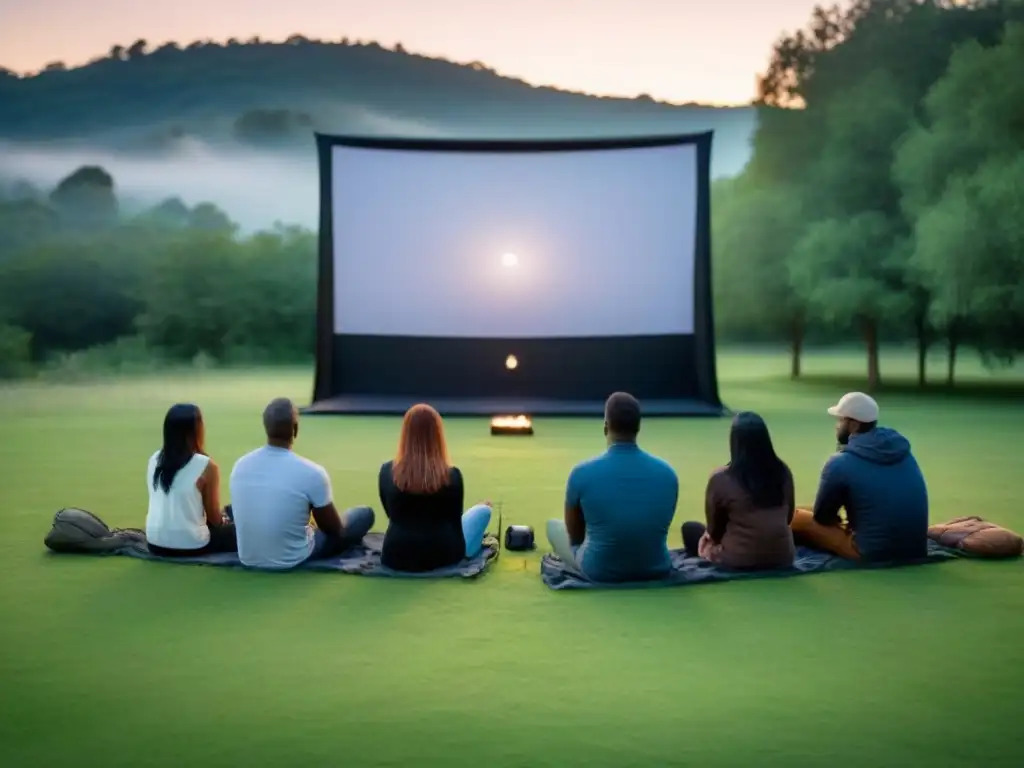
(188, 293)
(15, 351)
(169, 213)
(860, 76)
(754, 228)
(85, 199)
(24, 222)
(208, 293)
(844, 269)
(208, 217)
(69, 294)
(961, 171)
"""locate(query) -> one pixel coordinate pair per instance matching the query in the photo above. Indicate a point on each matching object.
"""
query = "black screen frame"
(325, 387)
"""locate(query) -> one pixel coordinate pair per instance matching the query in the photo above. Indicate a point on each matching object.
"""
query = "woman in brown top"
(748, 503)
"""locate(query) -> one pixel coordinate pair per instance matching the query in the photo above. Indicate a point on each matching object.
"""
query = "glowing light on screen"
(511, 362)
(509, 260)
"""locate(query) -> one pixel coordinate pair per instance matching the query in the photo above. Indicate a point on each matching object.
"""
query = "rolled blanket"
(976, 536)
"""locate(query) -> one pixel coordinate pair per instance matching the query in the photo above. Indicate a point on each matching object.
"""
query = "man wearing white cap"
(877, 480)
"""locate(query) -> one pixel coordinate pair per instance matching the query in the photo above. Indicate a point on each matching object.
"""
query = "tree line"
(170, 284)
(884, 201)
(885, 194)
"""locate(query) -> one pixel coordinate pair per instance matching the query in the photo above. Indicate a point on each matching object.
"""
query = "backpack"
(978, 537)
(76, 531)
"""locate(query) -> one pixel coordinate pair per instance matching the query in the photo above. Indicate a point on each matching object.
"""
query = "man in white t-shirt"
(274, 492)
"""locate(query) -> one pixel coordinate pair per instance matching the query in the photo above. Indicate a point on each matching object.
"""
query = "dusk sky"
(679, 50)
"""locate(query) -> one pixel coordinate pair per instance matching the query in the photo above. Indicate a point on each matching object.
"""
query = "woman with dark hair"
(422, 495)
(185, 518)
(749, 505)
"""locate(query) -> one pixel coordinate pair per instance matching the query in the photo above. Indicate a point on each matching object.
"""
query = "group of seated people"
(619, 506)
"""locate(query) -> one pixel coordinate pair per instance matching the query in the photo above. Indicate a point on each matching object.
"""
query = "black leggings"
(222, 539)
(692, 533)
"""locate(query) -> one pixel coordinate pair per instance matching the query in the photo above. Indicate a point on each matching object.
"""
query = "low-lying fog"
(256, 188)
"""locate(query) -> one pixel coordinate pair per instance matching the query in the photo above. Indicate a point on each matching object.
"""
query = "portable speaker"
(519, 538)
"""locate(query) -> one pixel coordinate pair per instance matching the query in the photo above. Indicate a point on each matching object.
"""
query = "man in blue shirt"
(877, 480)
(618, 506)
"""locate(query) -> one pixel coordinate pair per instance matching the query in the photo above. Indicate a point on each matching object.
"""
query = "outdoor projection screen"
(492, 277)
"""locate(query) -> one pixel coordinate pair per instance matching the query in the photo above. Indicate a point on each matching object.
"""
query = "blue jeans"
(474, 525)
(355, 523)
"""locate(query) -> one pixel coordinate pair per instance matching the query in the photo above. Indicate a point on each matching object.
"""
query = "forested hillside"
(271, 95)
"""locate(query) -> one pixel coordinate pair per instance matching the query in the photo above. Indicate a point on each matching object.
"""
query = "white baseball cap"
(856, 406)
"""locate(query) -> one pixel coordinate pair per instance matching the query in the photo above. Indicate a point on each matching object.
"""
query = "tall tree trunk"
(796, 348)
(923, 342)
(871, 341)
(953, 342)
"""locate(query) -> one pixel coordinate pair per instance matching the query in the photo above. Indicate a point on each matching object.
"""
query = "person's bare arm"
(575, 524)
(321, 504)
(209, 489)
(328, 520)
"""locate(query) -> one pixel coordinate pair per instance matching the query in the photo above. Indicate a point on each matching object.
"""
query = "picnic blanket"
(692, 570)
(77, 531)
(360, 560)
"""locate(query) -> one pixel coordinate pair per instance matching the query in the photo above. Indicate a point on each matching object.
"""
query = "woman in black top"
(422, 496)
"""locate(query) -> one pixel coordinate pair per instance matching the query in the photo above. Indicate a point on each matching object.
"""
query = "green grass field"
(115, 662)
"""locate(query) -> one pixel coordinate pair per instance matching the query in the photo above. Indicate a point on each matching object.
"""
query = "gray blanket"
(363, 560)
(693, 570)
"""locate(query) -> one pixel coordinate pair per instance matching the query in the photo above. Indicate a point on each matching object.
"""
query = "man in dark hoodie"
(876, 479)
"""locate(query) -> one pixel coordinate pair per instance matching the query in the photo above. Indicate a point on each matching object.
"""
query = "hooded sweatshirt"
(878, 481)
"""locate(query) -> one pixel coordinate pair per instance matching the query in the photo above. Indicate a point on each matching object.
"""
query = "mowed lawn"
(115, 662)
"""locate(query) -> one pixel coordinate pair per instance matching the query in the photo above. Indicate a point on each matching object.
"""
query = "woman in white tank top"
(185, 518)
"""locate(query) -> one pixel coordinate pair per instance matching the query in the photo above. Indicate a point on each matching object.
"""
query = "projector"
(512, 425)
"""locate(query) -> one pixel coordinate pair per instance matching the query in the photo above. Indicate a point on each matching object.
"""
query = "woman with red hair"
(422, 495)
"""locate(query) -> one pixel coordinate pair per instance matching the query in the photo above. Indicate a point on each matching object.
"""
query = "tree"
(269, 126)
(85, 199)
(754, 228)
(845, 270)
(208, 217)
(137, 50)
(24, 222)
(860, 76)
(962, 176)
(116, 53)
(796, 55)
(170, 213)
(15, 351)
(256, 295)
(70, 294)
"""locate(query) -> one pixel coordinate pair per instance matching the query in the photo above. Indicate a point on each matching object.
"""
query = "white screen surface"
(516, 244)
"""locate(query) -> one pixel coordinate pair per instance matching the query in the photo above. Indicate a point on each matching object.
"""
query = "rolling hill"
(271, 95)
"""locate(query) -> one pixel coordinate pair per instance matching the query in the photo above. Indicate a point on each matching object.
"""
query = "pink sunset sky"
(676, 50)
